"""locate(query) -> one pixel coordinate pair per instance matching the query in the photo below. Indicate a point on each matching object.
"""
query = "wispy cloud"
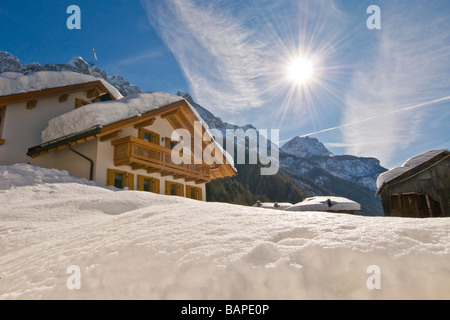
(407, 64)
(140, 57)
(220, 57)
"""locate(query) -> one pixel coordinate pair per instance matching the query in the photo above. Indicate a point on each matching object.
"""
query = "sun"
(300, 70)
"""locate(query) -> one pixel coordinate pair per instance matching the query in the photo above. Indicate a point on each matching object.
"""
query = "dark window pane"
(147, 185)
(118, 180)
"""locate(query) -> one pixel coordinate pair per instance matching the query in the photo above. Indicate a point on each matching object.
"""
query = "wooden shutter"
(188, 191)
(130, 181)
(157, 188)
(156, 138)
(110, 177)
(167, 142)
(140, 185)
(167, 188)
(200, 194)
(181, 190)
(141, 133)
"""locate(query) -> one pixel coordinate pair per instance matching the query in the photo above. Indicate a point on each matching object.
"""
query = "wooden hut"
(419, 189)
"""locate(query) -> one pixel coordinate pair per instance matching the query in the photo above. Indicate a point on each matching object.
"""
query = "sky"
(380, 93)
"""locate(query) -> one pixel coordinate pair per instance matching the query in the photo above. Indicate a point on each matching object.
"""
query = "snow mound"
(139, 245)
(22, 174)
(325, 204)
(104, 113)
(15, 83)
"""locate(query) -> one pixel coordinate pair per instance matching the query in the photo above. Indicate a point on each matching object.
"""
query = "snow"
(320, 203)
(108, 112)
(273, 205)
(104, 113)
(15, 83)
(408, 165)
(138, 245)
(21, 174)
(305, 147)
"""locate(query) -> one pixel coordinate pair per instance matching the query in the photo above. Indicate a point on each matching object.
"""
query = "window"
(149, 136)
(169, 143)
(120, 179)
(148, 184)
(174, 189)
(194, 193)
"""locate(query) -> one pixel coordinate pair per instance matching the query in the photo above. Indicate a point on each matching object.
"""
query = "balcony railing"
(142, 154)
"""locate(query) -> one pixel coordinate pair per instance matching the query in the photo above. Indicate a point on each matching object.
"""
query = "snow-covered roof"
(16, 83)
(320, 203)
(104, 113)
(407, 166)
(108, 112)
(273, 205)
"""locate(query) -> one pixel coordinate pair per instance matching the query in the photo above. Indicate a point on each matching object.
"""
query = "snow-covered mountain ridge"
(10, 63)
(361, 170)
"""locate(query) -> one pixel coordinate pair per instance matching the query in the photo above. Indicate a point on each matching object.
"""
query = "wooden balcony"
(141, 154)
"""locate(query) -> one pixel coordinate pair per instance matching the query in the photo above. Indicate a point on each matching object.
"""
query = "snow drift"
(130, 244)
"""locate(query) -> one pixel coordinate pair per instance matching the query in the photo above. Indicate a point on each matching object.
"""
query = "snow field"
(136, 245)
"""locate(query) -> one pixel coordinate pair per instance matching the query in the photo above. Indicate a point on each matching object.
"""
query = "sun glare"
(300, 70)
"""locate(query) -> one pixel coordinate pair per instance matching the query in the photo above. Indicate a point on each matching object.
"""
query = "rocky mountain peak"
(9, 62)
(305, 147)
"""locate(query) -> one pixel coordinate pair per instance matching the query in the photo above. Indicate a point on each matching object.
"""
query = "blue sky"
(381, 93)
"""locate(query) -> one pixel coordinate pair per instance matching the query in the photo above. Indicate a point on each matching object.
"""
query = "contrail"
(423, 104)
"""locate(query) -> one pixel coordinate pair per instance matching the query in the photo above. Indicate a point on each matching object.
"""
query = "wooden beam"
(165, 173)
(63, 98)
(31, 104)
(153, 170)
(138, 166)
(190, 179)
(171, 113)
(180, 176)
(80, 102)
(144, 123)
(110, 136)
(93, 93)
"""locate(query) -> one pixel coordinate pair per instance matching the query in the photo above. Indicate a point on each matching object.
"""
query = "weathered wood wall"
(403, 198)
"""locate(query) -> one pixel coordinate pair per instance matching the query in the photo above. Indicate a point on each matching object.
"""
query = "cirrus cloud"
(221, 58)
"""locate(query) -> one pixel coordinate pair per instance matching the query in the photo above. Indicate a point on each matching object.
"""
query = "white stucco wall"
(67, 160)
(22, 127)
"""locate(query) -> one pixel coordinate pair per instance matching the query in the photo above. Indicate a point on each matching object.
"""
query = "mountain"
(212, 121)
(362, 171)
(306, 166)
(10, 63)
(305, 147)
